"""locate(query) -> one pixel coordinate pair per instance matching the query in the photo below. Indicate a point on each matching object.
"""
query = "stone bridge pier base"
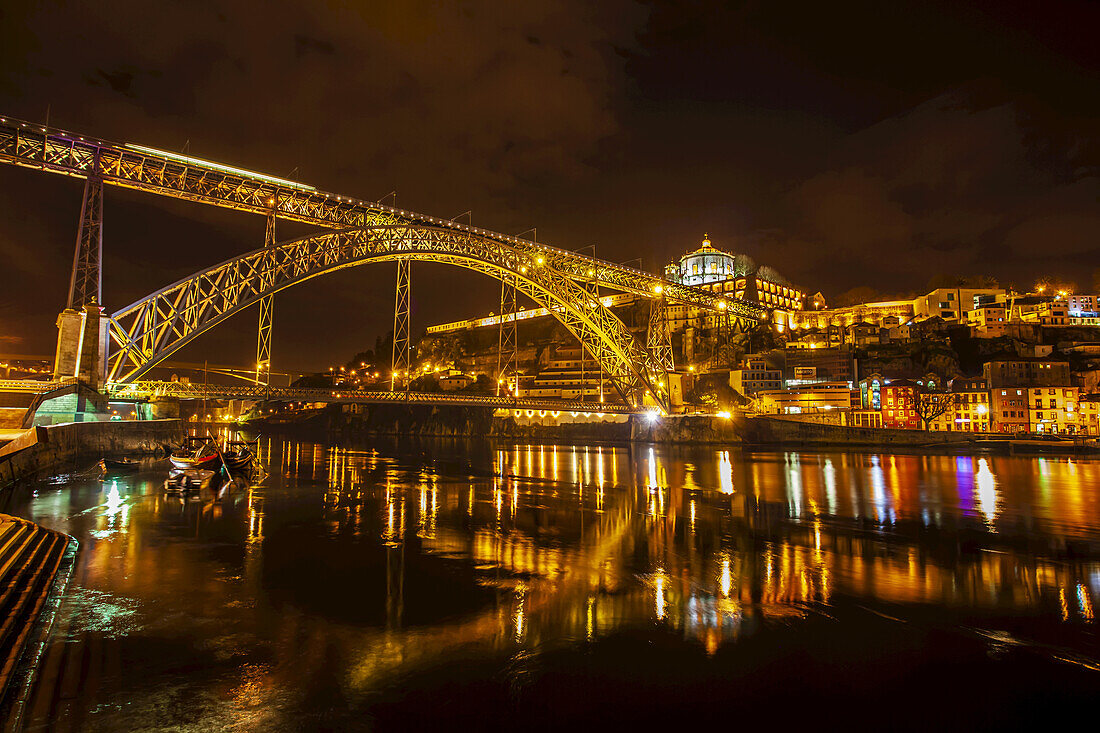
(81, 345)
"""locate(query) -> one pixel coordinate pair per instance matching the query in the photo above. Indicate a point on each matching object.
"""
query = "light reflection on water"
(386, 558)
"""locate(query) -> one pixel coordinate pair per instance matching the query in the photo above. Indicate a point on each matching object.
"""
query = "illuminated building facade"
(1053, 409)
(952, 304)
(1079, 305)
(830, 365)
(1021, 372)
(899, 409)
(736, 274)
(806, 398)
(566, 375)
(1089, 414)
(971, 411)
(988, 321)
(897, 399)
(754, 376)
(1008, 409)
(875, 313)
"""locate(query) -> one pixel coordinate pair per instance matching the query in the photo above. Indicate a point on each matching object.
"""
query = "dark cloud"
(842, 143)
(941, 187)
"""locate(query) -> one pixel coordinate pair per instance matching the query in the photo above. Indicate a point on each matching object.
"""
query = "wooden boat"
(190, 480)
(196, 452)
(118, 465)
(238, 455)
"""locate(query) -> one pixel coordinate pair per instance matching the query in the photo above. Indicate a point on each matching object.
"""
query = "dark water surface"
(452, 585)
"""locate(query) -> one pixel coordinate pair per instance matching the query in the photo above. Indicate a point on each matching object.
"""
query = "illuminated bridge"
(145, 390)
(262, 392)
(569, 285)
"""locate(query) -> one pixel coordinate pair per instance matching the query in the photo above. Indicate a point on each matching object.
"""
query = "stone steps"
(30, 559)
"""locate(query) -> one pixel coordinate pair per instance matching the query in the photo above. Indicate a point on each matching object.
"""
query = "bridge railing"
(186, 390)
(31, 386)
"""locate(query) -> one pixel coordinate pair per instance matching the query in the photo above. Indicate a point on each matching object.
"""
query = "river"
(402, 585)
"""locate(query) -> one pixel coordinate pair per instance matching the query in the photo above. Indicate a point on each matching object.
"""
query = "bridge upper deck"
(164, 173)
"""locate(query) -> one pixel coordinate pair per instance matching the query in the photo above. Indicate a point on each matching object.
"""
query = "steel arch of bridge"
(150, 330)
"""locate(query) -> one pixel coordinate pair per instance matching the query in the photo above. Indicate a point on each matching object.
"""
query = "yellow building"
(1088, 417)
(971, 410)
(875, 313)
(1053, 409)
(988, 321)
(806, 398)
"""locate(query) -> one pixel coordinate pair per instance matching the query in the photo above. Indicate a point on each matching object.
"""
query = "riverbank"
(44, 450)
(762, 431)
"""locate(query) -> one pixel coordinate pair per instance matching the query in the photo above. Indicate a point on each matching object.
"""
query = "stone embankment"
(786, 432)
(477, 422)
(40, 451)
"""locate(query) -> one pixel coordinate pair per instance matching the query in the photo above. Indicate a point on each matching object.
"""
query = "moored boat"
(238, 455)
(196, 452)
(118, 465)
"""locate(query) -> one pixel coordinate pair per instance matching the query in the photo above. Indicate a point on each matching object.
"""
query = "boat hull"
(184, 462)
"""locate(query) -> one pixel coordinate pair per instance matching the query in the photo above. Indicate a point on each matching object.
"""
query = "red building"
(899, 404)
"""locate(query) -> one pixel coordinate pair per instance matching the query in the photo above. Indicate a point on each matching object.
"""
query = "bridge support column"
(507, 343)
(659, 345)
(659, 336)
(86, 284)
(267, 317)
(401, 361)
(81, 329)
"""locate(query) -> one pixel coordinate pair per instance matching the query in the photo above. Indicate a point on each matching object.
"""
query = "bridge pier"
(81, 345)
(81, 328)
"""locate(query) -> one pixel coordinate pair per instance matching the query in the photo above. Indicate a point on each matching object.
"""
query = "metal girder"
(148, 331)
(659, 336)
(144, 390)
(86, 283)
(401, 362)
(507, 341)
(267, 317)
(168, 174)
(592, 290)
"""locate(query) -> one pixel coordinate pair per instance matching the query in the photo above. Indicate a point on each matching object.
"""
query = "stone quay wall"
(778, 431)
(46, 449)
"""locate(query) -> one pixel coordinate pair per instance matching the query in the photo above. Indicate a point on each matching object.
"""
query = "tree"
(931, 405)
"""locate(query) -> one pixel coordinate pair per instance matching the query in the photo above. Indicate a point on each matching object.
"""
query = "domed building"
(737, 274)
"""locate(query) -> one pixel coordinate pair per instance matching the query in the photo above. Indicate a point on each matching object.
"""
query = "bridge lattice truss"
(156, 326)
(150, 330)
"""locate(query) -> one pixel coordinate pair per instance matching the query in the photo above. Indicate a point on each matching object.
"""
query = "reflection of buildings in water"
(717, 541)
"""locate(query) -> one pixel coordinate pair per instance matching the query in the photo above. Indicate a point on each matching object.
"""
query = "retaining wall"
(777, 431)
(45, 449)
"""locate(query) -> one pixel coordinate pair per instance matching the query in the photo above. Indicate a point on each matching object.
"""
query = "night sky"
(845, 144)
